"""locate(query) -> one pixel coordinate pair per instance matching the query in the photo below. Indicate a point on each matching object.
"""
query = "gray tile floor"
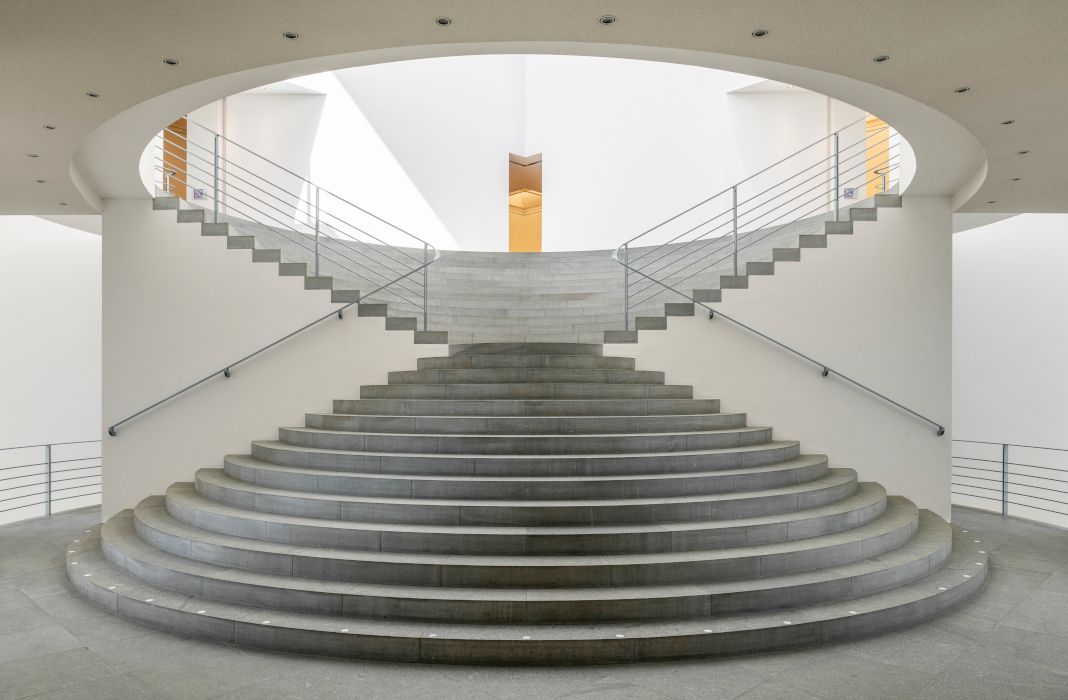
(1010, 642)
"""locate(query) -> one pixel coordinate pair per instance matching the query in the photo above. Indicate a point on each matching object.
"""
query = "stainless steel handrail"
(226, 371)
(827, 370)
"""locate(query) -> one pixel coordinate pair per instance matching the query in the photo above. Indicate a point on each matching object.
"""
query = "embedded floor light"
(760, 33)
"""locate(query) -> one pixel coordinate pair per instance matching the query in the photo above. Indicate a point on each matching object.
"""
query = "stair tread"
(899, 513)
(771, 444)
(801, 461)
(963, 573)
(537, 436)
(866, 494)
(932, 533)
(834, 477)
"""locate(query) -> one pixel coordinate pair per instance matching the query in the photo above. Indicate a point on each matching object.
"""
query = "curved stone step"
(187, 506)
(833, 486)
(891, 529)
(536, 390)
(526, 348)
(525, 375)
(251, 470)
(921, 600)
(526, 407)
(525, 361)
(134, 545)
(475, 443)
(524, 425)
(277, 452)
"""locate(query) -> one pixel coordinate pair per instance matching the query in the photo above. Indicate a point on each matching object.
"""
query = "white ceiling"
(1009, 53)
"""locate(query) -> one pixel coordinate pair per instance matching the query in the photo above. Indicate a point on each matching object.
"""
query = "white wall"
(178, 306)
(50, 316)
(874, 306)
(1010, 331)
(626, 143)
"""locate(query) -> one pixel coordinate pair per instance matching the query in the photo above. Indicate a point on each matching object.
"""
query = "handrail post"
(734, 207)
(626, 288)
(1004, 479)
(316, 231)
(426, 290)
(48, 479)
(215, 182)
(837, 193)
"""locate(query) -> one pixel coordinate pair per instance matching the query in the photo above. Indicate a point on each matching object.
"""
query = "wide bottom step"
(305, 633)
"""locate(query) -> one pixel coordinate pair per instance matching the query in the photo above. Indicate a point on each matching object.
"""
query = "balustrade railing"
(1026, 481)
(42, 479)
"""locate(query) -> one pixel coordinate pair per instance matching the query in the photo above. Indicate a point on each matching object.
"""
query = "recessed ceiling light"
(291, 35)
(1022, 153)
(607, 19)
(170, 61)
(92, 94)
(32, 155)
(443, 21)
(758, 33)
(50, 127)
(963, 88)
(881, 58)
(1008, 121)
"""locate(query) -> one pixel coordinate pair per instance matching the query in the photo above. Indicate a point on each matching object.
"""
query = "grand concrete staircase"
(528, 503)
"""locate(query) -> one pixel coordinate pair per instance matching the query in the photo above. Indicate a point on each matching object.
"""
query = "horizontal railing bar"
(980, 478)
(1011, 444)
(978, 469)
(977, 459)
(303, 179)
(971, 486)
(23, 466)
(296, 206)
(975, 495)
(47, 444)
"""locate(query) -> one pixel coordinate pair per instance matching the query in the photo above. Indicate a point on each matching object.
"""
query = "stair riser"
(533, 611)
(526, 391)
(525, 375)
(524, 425)
(652, 487)
(524, 445)
(489, 544)
(606, 575)
(525, 361)
(526, 349)
(520, 466)
(527, 407)
(520, 514)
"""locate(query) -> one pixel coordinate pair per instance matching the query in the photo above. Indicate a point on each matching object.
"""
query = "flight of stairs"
(526, 503)
(779, 249)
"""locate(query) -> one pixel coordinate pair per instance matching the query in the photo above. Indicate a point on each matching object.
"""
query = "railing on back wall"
(1020, 480)
(284, 210)
(42, 479)
(792, 196)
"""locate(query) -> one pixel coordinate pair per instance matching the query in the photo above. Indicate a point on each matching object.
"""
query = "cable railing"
(745, 221)
(1027, 481)
(38, 480)
(679, 254)
(308, 223)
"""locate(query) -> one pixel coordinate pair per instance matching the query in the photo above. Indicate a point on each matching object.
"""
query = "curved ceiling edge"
(950, 161)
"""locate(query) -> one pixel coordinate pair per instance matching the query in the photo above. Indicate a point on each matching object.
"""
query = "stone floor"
(1010, 642)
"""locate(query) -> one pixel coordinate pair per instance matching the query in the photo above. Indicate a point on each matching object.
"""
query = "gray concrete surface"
(1010, 641)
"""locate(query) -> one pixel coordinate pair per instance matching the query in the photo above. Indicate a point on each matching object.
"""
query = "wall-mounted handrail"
(826, 369)
(740, 222)
(226, 370)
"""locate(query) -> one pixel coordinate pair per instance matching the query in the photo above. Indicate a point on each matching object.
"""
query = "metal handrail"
(221, 190)
(826, 369)
(226, 371)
